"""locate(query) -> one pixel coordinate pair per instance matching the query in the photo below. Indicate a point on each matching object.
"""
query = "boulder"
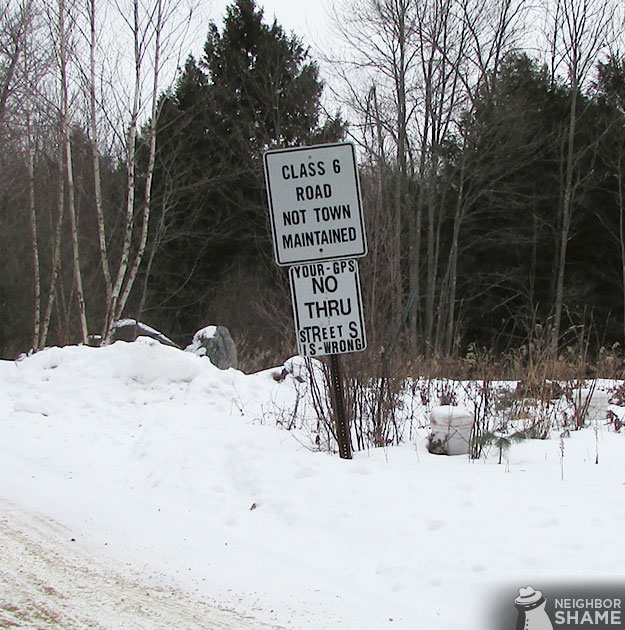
(215, 342)
(130, 329)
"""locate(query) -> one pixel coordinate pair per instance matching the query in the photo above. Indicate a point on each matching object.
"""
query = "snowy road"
(49, 581)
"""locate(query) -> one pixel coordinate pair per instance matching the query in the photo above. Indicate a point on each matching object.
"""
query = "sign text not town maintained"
(314, 203)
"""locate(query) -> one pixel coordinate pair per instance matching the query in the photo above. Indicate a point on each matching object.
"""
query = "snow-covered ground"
(50, 581)
(153, 459)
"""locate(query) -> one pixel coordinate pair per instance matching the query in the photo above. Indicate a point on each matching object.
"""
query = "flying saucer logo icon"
(531, 608)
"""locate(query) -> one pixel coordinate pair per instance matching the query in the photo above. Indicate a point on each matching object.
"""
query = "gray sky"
(307, 18)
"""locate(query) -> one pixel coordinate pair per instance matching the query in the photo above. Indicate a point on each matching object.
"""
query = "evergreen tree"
(254, 88)
(515, 156)
(608, 201)
(512, 156)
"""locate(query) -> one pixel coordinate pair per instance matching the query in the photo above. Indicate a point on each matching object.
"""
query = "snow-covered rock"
(216, 343)
(130, 329)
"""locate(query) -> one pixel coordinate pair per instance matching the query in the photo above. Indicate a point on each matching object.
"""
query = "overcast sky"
(307, 18)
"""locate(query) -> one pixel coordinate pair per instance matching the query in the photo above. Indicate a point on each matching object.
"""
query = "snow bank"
(157, 458)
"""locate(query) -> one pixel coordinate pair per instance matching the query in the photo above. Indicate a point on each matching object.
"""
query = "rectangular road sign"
(327, 305)
(314, 203)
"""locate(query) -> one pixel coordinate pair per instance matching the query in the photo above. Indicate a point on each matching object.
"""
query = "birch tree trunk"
(56, 250)
(30, 162)
(147, 193)
(95, 151)
(130, 160)
(69, 169)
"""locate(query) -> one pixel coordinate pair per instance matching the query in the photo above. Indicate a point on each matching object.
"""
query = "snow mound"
(165, 462)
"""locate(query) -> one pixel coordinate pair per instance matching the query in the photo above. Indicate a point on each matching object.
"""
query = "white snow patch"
(159, 460)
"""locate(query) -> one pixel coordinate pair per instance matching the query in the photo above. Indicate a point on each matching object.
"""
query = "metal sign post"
(328, 313)
(316, 217)
(341, 420)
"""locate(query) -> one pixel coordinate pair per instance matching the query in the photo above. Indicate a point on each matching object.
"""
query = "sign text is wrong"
(327, 306)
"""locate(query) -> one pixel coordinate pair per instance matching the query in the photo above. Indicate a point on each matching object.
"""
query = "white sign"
(327, 305)
(314, 203)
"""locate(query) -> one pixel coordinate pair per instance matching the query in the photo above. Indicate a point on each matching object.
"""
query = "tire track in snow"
(47, 581)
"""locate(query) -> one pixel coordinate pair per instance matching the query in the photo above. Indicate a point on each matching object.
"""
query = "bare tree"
(412, 71)
(490, 31)
(64, 35)
(61, 72)
(155, 31)
(580, 31)
(378, 78)
(443, 47)
(25, 121)
(95, 146)
(15, 22)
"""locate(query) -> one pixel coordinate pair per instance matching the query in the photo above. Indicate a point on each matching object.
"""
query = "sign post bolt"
(338, 404)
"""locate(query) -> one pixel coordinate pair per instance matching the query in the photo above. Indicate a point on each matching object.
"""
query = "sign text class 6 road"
(314, 203)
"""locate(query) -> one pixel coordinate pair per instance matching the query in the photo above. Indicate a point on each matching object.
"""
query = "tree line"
(491, 170)
(493, 136)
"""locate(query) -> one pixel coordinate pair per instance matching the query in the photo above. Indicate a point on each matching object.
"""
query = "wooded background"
(492, 144)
